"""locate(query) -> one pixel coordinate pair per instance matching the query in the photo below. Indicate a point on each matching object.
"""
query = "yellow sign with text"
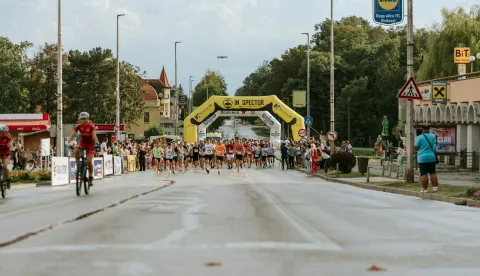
(240, 103)
(462, 55)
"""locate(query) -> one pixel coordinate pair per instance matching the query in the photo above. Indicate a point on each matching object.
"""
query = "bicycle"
(81, 175)
(3, 183)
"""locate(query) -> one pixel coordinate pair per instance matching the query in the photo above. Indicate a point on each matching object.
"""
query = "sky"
(247, 31)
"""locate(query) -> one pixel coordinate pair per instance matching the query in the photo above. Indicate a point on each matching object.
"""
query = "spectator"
(291, 157)
(326, 162)
(103, 147)
(426, 157)
(349, 147)
(284, 152)
(401, 155)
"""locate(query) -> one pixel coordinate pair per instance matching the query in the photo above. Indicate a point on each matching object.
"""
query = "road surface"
(257, 222)
(243, 131)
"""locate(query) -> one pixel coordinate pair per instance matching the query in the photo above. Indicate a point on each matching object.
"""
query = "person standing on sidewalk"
(291, 157)
(401, 156)
(425, 147)
(284, 151)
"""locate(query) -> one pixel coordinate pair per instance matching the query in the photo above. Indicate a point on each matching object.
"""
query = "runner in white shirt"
(209, 148)
(169, 158)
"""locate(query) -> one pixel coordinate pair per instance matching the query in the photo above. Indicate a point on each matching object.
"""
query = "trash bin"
(362, 164)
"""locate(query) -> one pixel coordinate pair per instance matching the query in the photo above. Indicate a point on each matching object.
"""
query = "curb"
(22, 186)
(430, 196)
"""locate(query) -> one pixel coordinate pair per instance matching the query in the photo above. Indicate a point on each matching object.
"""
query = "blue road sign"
(388, 12)
(308, 121)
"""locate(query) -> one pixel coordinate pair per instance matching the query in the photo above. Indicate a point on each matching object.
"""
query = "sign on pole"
(302, 132)
(388, 12)
(461, 55)
(299, 98)
(332, 135)
(439, 91)
(410, 91)
(308, 121)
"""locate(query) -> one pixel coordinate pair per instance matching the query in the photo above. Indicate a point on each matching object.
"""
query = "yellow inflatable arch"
(239, 103)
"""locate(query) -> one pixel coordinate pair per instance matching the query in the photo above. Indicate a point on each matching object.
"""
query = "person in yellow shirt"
(220, 151)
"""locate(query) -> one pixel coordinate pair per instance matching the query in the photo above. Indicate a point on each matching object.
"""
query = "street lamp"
(472, 59)
(117, 113)
(332, 78)
(60, 143)
(190, 105)
(177, 106)
(308, 82)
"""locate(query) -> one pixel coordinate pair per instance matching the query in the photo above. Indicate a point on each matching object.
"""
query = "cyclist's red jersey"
(86, 135)
(4, 141)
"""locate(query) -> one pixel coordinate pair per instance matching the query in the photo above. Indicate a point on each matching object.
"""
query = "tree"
(13, 94)
(41, 79)
(212, 83)
(154, 131)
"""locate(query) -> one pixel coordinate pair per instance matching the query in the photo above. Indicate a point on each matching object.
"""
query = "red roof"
(164, 79)
(148, 93)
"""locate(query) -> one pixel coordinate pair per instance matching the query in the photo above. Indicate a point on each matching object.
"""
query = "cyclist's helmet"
(84, 115)
(3, 128)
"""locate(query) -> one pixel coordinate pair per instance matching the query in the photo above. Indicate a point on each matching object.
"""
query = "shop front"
(27, 129)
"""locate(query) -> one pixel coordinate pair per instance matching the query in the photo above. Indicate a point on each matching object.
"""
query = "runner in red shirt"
(230, 154)
(6, 146)
(88, 141)
(239, 152)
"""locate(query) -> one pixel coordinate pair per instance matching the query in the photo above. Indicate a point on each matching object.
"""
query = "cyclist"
(6, 147)
(88, 141)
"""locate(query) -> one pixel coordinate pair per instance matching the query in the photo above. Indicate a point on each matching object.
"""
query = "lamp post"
(349, 119)
(177, 106)
(308, 82)
(60, 143)
(472, 60)
(117, 113)
(332, 78)
(190, 106)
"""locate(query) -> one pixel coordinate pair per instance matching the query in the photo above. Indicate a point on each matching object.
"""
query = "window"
(146, 117)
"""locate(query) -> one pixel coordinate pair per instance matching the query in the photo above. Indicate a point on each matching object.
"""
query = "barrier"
(117, 165)
(97, 168)
(108, 164)
(132, 163)
(72, 169)
(60, 171)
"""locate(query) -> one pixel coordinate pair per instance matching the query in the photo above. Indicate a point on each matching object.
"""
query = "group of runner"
(208, 155)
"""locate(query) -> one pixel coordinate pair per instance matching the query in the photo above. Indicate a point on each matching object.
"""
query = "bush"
(44, 175)
(23, 176)
(345, 160)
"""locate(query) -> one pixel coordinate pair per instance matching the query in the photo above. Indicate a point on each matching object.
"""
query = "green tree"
(13, 94)
(154, 131)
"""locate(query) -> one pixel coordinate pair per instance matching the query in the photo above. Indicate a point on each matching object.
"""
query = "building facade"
(157, 95)
(452, 107)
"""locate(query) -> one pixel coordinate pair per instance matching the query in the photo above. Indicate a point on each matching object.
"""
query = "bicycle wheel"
(30, 165)
(79, 179)
(86, 182)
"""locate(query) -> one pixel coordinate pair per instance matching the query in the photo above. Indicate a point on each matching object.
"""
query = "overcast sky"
(247, 31)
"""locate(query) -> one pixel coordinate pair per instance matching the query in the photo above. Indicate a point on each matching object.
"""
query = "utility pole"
(117, 113)
(60, 143)
(409, 170)
(308, 82)
(176, 105)
(332, 79)
(190, 105)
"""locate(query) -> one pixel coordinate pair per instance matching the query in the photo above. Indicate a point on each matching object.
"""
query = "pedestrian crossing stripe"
(410, 91)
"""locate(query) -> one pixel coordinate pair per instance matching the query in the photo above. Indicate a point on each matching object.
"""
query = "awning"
(107, 128)
(21, 125)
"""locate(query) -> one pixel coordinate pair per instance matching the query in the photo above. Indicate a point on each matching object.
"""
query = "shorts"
(219, 158)
(256, 156)
(264, 158)
(169, 159)
(208, 156)
(239, 157)
(195, 158)
(5, 155)
(427, 168)
(229, 156)
(175, 158)
(158, 159)
(270, 156)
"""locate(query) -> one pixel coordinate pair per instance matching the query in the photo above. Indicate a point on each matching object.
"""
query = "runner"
(271, 155)
(264, 151)
(239, 152)
(248, 149)
(158, 156)
(230, 154)
(209, 148)
(169, 156)
(219, 154)
(195, 155)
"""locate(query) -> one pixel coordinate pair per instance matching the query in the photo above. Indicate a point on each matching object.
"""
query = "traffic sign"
(302, 132)
(388, 12)
(410, 91)
(461, 55)
(308, 121)
(332, 135)
(439, 92)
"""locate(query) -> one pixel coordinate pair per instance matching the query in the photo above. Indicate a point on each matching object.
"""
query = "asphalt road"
(258, 222)
(243, 131)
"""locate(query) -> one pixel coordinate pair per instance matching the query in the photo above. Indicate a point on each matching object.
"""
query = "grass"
(261, 131)
(445, 190)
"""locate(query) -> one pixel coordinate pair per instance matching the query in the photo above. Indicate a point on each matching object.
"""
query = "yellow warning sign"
(462, 55)
(439, 92)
